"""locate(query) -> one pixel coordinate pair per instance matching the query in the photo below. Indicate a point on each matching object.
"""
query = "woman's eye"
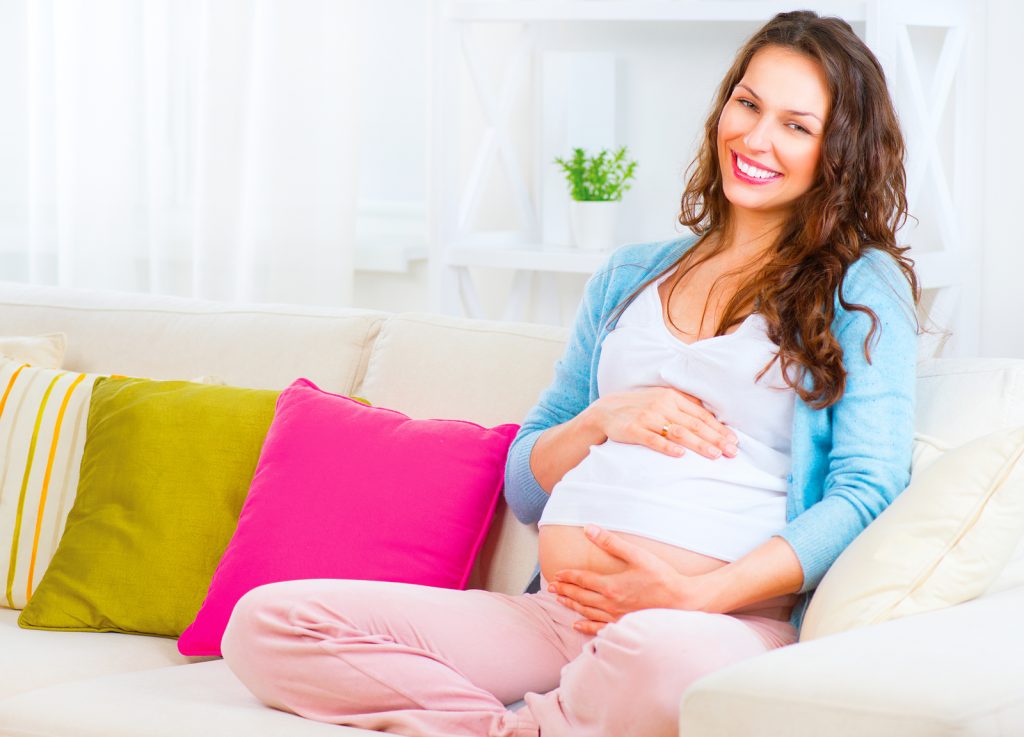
(798, 127)
(746, 103)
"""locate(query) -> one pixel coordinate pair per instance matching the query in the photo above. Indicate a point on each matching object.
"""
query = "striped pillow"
(43, 414)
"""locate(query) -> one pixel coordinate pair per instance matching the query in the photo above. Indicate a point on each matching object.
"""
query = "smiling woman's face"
(770, 131)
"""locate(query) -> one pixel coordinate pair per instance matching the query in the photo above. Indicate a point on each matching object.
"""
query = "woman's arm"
(562, 447)
(770, 570)
(562, 402)
(871, 426)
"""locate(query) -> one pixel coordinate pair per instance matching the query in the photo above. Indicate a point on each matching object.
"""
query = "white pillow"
(41, 351)
(927, 449)
(943, 541)
(960, 399)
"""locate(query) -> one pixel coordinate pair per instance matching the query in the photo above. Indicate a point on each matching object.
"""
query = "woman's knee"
(257, 612)
(277, 616)
(674, 638)
(652, 628)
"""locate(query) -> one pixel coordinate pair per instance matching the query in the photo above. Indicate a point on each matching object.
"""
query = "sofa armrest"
(957, 671)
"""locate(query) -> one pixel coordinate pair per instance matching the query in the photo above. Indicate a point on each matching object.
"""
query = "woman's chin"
(742, 198)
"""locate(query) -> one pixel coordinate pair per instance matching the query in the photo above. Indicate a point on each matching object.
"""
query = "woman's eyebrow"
(791, 112)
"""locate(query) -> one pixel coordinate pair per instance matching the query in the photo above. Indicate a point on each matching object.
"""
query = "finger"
(591, 613)
(663, 443)
(614, 545)
(695, 442)
(586, 597)
(587, 627)
(711, 433)
(582, 579)
(698, 411)
(694, 433)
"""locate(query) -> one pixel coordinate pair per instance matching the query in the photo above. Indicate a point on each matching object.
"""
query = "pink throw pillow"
(343, 490)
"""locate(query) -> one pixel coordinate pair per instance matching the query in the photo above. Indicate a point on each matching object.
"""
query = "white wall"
(1002, 267)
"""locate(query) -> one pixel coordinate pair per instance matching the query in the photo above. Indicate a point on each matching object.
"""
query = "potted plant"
(596, 184)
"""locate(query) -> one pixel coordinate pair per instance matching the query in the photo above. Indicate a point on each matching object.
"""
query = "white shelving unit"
(389, 236)
(453, 247)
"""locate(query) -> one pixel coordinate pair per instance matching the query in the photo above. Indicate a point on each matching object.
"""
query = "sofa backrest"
(259, 346)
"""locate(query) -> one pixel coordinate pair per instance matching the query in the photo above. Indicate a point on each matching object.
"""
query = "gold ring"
(664, 431)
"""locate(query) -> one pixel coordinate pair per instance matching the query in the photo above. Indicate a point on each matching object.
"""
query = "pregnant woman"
(732, 409)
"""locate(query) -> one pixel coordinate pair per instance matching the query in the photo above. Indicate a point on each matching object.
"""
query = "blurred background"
(397, 154)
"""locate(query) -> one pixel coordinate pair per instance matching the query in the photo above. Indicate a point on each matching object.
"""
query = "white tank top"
(723, 508)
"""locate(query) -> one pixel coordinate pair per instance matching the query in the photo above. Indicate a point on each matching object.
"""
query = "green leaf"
(601, 177)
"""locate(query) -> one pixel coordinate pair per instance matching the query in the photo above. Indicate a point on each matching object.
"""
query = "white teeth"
(753, 171)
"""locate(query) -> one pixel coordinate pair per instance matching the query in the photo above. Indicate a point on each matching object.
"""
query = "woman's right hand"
(638, 417)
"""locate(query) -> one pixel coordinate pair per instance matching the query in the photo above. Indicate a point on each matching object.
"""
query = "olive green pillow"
(166, 468)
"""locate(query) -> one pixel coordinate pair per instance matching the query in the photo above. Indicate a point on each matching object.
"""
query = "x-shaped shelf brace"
(496, 141)
(496, 144)
(928, 118)
(922, 133)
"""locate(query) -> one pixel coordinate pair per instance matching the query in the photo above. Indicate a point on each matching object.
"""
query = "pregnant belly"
(563, 546)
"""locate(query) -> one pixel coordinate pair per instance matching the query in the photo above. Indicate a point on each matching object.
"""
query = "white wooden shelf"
(529, 257)
(390, 235)
(389, 257)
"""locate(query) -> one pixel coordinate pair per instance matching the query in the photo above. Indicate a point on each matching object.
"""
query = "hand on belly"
(565, 547)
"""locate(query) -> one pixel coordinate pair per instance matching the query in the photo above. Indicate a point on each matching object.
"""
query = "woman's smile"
(749, 171)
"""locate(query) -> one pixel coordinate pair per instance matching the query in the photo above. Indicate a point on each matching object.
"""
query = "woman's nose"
(757, 138)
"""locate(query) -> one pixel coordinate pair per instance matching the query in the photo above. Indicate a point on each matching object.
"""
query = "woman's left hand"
(648, 582)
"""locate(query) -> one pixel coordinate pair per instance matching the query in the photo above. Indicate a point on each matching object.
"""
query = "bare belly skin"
(563, 547)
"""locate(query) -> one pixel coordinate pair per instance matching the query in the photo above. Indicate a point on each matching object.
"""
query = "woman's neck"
(748, 236)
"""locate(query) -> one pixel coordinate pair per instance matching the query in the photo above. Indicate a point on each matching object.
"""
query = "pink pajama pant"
(427, 662)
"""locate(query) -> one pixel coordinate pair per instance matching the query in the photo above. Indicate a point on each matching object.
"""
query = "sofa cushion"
(488, 372)
(343, 490)
(202, 699)
(943, 541)
(950, 673)
(166, 467)
(34, 659)
(42, 351)
(43, 414)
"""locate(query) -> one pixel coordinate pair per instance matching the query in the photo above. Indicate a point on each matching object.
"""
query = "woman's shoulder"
(874, 269)
(876, 280)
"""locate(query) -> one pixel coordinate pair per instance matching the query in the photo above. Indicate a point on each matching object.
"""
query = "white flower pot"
(593, 224)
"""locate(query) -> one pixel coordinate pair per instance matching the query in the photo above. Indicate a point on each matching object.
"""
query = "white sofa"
(959, 671)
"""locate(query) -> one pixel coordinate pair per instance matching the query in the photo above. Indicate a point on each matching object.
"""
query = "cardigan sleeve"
(566, 396)
(871, 425)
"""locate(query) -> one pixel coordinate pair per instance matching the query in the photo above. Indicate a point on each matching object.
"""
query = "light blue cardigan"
(849, 461)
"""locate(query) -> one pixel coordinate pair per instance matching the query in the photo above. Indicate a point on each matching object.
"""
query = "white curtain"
(197, 147)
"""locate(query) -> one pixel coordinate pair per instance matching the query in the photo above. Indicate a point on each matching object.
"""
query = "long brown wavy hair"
(857, 202)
